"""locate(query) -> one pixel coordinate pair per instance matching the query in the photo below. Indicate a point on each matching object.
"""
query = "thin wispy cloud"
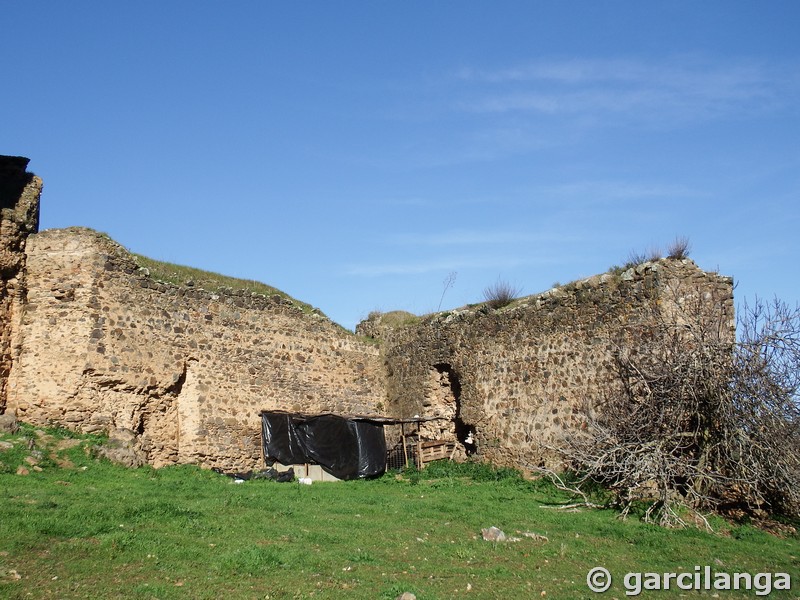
(485, 115)
(598, 191)
(406, 202)
(423, 266)
(466, 237)
(677, 71)
(464, 143)
(676, 88)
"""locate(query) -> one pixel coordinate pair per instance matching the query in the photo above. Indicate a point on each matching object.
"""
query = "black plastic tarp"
(346, 448)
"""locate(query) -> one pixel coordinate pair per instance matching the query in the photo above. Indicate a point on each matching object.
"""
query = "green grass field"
(84, 528)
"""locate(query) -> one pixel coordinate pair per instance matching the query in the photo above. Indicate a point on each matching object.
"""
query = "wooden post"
(261, 440)
(403, 437)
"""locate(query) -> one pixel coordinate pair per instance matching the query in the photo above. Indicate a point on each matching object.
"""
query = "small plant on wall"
(500, 294)
(679, 248)
(448, 283)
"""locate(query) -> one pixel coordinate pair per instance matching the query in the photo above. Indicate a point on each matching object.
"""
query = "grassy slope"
(213, 282)
(91, 529)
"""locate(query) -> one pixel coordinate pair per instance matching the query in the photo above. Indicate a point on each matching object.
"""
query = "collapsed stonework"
(19, 217)
(92, 342)
(513, 381)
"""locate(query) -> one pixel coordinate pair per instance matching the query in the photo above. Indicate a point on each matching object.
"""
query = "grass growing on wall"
(89, 529)
(212, 282)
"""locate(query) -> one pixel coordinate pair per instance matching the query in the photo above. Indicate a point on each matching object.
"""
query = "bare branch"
(700, 422)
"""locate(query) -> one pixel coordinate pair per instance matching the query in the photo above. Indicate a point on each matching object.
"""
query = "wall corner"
(20, 192)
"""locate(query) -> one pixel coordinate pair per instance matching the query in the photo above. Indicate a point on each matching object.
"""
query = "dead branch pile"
(700, 421)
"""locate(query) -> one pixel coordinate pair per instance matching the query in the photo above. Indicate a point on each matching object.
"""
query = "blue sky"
(354, 154)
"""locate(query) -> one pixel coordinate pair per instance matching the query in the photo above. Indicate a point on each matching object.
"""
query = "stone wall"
(92, 342)
(105, 346)
(19, 217)
(514, 379)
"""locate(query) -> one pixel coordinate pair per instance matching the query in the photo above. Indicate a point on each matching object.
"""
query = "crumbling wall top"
(24, 204)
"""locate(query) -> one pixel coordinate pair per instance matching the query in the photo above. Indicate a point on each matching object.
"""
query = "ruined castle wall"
(105, 346)
(518, 377)
(88, 340)
(19, 217)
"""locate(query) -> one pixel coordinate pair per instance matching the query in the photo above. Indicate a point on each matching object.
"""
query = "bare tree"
(699, 421)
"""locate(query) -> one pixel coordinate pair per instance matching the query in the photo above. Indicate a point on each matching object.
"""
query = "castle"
(90, 340)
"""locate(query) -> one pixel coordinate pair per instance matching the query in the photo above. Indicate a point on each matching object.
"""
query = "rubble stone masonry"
(19, 217)
(515, 379)
(91, 342)
(188, 370)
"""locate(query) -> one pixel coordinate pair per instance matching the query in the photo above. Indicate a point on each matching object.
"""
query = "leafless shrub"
(637, 257)
(500, 294)
(679, 248)
(766, 384)
(700, 422)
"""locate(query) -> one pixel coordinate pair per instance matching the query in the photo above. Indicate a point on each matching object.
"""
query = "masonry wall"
(91, 342)
(105, 347)
(19, 217)
(512, 380)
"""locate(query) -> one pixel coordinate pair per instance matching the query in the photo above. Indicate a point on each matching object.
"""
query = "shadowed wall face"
(19, 217)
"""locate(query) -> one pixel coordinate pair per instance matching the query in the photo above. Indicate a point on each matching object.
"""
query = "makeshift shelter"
(346, 447)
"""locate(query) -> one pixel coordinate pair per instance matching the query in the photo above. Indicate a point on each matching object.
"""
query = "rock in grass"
(8, 423)
(122, 448)
(406, 596)
(493, 534)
